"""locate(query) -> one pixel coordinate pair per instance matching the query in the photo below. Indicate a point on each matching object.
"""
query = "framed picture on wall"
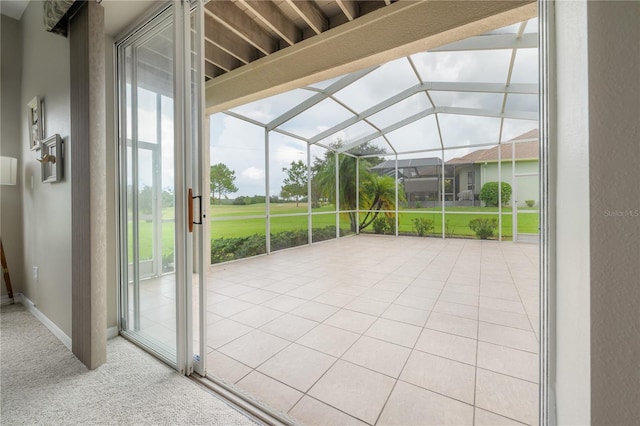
(35, 123)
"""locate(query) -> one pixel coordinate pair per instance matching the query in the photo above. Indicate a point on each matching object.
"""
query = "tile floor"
(382, 330)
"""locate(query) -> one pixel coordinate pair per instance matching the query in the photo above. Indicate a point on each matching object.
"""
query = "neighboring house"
(478, 167)
(464, 176)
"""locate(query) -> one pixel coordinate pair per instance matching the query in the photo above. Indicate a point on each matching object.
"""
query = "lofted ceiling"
(238, 32)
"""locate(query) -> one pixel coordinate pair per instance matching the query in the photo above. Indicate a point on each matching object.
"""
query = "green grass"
(458, 223)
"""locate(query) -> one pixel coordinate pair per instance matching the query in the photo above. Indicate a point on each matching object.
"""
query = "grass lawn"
(458, 224)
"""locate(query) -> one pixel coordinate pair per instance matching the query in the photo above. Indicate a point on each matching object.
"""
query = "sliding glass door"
(160, 105)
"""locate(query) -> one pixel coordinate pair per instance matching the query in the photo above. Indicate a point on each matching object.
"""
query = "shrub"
(422, 226)
(384, 225)
(225, 249)
(449, 229)
(240, 201)
(418, 205)
(380, 225)
(483, 227)
(489, 193)
(530, 203)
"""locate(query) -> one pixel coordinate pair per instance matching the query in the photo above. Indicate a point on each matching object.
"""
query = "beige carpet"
(42, 382)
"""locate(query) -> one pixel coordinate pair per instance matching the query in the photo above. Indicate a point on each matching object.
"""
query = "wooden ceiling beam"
(219, 57)
(394, 31)
(229, 15)
(272, 17)
(225, 39)
(310, 13)
(350, 8)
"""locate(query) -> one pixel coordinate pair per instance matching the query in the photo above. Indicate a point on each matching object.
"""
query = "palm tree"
(376, 192)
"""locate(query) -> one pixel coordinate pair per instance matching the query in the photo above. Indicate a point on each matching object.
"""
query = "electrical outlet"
(36, 273)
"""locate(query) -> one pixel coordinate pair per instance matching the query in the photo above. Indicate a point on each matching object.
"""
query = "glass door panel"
(161, 92)
(147, 121)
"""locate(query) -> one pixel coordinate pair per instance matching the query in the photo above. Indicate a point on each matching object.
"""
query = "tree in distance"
(295, 184)
(222, 179)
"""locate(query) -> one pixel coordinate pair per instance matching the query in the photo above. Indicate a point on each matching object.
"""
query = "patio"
(382, 330)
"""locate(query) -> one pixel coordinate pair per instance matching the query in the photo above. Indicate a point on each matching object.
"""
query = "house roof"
(404, 164)
(524, 151)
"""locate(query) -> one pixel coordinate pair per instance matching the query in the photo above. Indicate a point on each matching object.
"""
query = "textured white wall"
(571, 146)
(47, 207)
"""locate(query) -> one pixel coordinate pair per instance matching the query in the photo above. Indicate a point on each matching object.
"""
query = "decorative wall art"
(51, 159)
(35, 123)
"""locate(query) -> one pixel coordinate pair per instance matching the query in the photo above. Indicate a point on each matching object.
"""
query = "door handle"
(190, 209)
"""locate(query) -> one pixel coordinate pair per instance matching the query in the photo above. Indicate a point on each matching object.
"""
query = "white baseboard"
(53, 328)
(112, 332)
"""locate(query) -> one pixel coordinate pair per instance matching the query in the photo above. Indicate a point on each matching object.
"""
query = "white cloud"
(253, 173)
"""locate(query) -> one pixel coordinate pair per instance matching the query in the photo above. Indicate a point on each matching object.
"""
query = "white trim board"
(61, 335)
(53, 328)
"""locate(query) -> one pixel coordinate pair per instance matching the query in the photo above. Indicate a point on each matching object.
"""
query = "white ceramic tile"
(412, 405)
(315, 311)
(447, 345)
(329, 340)
(487, 418)
(310, 411)
(508, 336)
(394, 332)
(406, 314)
(284, 303)
(224, 331)
(334, 299)
(367, 306)
(254, 348)
(355, 390)
(289, 327)
(297, 366)
(417, 302)
(273, 393)
(507, 396)
(226, 368)
(351, 320)
(456, 309)
(455, 325)
(512, 362)
(502, 305)
(256, 316)
(383, 357)
(509, 319)
(257, 296)
(451, 378)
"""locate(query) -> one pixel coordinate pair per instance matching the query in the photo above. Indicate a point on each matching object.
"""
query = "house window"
(470, 180)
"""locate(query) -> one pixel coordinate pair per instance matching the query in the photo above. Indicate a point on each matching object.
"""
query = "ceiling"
(479, 91)
(239, 32)
(13, 8)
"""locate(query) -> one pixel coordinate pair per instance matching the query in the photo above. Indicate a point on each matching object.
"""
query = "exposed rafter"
(309, 12)
(273, 18)
(230, 16)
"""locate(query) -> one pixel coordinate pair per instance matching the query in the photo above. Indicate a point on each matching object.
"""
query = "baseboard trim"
(53, 328)
(112, 332)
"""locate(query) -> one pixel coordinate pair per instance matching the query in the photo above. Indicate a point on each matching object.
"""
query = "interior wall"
(10, 145)
(614, 153)
(47, 206)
